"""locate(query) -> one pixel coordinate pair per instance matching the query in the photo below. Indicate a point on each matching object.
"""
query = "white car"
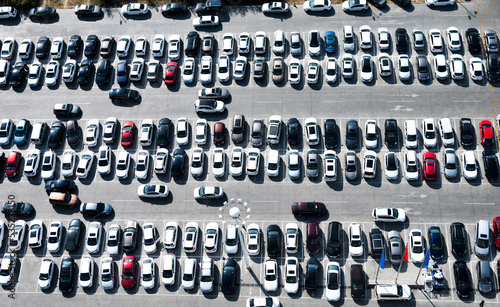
(137, 69)
(317, 5)
(46, 274)
(35, 233)
(8, 48)
(292, 275)
(384, 39)
(356, 240)
(25, 49)
(313, 69)
(109, 130)
(365, 37)
(429, 132)
(7, 268)
(385, 65)
(54, 236)
(161, 161)
(446, 131)
(291, 238)
(92, 132)
(271, 275)
(263, 301)
(293, 164)
(52, 73)
(371, 135)
(228, 44)
(454, 39)
(174, 47)
(354, 6)
(450, 163)
(244, 43)
(170, 235)
(206, 21)
(16, 236)
(158, 46)
(197, 162)
(389, 215)
(134, 9)
(189, 70)
(476, 69)
(333, 282)
(331, 70)
(152, 191)
(279, 42)
(312, 133)
(208, 192)
(69, 71)
(432, 3)
(153, 71)
(206, 69)
(35, 72)
(404, 67)
(211, 241)
(114, 239)
(411, 165)
(224, 70)
(182, 133)
(457, 67)
(273, 163)
(189, 273)
(68, 163)
(469, 165)
(369, 164)
(253, 161)
(86, 272)
(260, 42)
(123, 46)
(232, 239)
(275, 8)
(32, 162)
(169, 264)
(4, 71)
(56, 48)
(123, 165)
(391, 166)
(348, 64)
(435, 41)
(94, 237)
(48, 165)
(237, 161)
(190, 237)
(348, 39)
(151, 238)
(253, 239)
(84, 165)
(146, 133)
(417, 249)
(107, 273)
(330, 162)
(274, 129)
(219, 162)
(314, 43)
(295, 71)
(207, 275)
(240, 68)
(104, 160)
(142, 164)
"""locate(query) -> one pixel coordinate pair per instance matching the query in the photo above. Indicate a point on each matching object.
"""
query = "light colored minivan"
(482, 246)
(446, 130)
(411, 137)
(38, 133)
(392, 292)
(279, 42)
(273, 163)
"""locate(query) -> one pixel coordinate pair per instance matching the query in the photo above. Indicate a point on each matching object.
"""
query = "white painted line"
(483, 204)
(269, 101)
(263, 201)
(407, 202)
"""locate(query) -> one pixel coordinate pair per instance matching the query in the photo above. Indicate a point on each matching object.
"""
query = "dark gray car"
(238, 129)
(73, 133)
(423, 68)
(257, 132)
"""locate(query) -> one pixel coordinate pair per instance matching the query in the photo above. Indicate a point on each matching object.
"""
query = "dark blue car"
(330, 42)
(122, 73)
(21, 132)
(435, 242)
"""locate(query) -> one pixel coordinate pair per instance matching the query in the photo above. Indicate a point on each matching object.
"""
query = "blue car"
(21, 132)
(435, 242)
(330, 42)
(122, 73)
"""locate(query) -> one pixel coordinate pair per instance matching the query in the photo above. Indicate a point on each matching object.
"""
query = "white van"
(392, 292)
(446, 132)
(38, 133)
(482, 246)
(411, 137)
(273, 163)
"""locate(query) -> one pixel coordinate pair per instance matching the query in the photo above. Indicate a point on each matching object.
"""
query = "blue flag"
(427, 258)
(382, 259)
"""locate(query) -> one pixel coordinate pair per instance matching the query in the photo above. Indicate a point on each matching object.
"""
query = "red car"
(308, 208)
(171, 73)
(486, 131)
(12, 165)
(496, 231)
(219, 134)
(129, 272)
(430, 166)
(128, 136)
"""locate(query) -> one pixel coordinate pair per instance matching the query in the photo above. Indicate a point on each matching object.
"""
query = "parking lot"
(437, 203)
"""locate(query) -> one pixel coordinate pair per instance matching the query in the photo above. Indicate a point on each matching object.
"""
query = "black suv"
(273, 241)
(192, 42)
(42, 47)
(493, 67)
(490, 162)
(228, 276)
(462, 279)
(178, 161)
(91, 46)
(473, 40)
(330, 131)
(74, 46)
(401, 40)
(391, 133)
(458, 239)
(376, 242)
(164, 132)
(67, 274)
(209, 8)
(466, 132)
(334, 240)
(312, 274)
(102, 72)
(294, 131)
(56, 135)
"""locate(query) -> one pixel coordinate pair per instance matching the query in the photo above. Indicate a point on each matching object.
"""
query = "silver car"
(351, 168)
(295, 44)
(312, 167)
(450, 163)
(395, 247)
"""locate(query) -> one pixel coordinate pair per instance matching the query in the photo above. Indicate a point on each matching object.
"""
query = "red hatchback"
(430, 166)
(128, 134)
(486, 131)
(496, 231)
(219, 134)
(308, 208)
(129, 272)
(12, 166)
(171, 73)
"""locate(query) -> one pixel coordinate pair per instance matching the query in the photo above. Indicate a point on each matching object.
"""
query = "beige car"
(278, 70)
(64, 199)
(130, 236)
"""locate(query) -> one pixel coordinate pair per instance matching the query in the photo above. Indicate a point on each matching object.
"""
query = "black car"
(91, 44)
(458, 239)
(42, 11)
(358, 281)
(67, 109)
(88, 10)
(378, 3)
(273, 241)
(18, 74)
(210, 7)
(17, 208)
(42, 47)
(178, 161)
(401, 40)
(74, 45)
(351, 135)
(493, 67)
(73, 133)
(391, 132)
(435, 242)
(164, 132)
(402, 2)
(294, 131)
(376, 242)
(60, 185)
(75, 230)
(463, 282)
(330, 131)
(312, 274)
(124, 95)
(174, 9)
(192, 42)
(102, 72)
(334, 240)
(67, 275)
(228, 278)
(85, 72)
(466, 132)
(95, 210)
(56, 135)
(490, 162)
(473, 40)
(122, 73)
